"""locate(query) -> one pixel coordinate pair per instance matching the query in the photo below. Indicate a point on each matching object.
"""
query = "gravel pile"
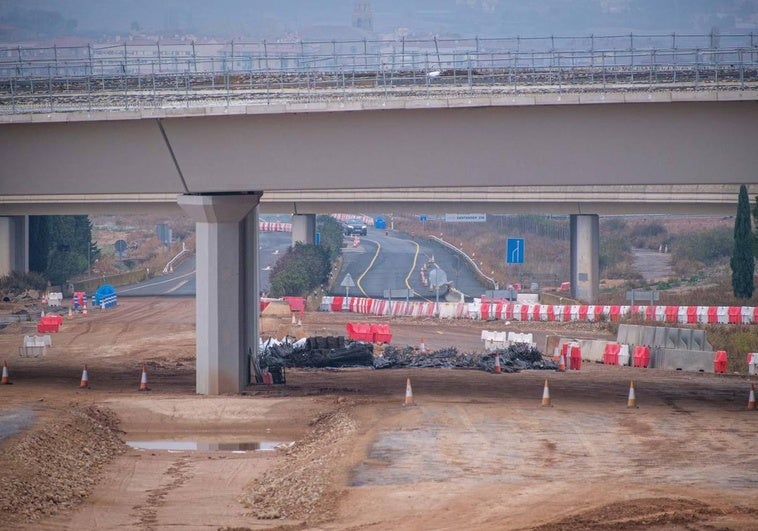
(55, 467)
(301, 487)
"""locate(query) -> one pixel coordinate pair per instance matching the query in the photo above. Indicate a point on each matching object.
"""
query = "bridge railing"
(159, 74)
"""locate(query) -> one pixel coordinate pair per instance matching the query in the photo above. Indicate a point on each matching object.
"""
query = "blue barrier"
(105, 295)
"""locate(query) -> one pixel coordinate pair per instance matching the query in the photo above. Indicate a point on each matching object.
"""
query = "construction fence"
(514, 311)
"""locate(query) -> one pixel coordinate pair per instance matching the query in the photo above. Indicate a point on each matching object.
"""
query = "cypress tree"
(743, 261)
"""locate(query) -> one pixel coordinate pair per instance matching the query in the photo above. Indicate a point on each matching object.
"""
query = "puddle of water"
(12, 422)
(208, 446)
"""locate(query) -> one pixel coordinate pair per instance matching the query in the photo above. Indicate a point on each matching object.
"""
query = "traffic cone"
(422, 346)
(42, 314)
(143, 381)
(632, 401)
(408, 394)
(84, 310)
(84, 384)
(70, 314)
(750, 399)
(562, 363)
(5, 380)
(546, 395)
(294, 319)
(497, 363)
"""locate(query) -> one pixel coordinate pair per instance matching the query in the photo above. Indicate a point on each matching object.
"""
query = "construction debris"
(336, 352)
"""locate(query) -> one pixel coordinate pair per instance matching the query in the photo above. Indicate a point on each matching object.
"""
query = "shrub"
(301, 270)
(18, 282)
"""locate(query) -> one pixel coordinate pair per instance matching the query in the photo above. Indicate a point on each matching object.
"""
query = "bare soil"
(476, 450)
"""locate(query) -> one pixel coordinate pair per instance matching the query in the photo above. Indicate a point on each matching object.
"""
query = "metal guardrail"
(143, 75)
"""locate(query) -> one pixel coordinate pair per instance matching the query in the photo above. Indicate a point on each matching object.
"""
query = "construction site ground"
(477, 450)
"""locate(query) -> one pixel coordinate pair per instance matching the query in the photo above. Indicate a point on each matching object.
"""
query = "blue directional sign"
(422, 217)
(514, 252)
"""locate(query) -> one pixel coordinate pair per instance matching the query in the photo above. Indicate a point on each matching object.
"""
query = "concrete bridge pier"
(227, 290)
(14, 244)
(585, 257)
(304, 228)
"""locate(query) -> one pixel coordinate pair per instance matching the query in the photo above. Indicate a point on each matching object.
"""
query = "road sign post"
(347, 283)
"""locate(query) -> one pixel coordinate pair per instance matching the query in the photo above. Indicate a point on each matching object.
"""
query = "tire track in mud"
(175, 476)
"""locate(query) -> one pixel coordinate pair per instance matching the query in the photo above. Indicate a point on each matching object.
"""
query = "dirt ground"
(339, 450)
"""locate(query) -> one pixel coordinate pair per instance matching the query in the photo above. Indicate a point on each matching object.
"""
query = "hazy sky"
(272, 18)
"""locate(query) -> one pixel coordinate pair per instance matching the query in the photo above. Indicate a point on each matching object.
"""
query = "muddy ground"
(340, 450)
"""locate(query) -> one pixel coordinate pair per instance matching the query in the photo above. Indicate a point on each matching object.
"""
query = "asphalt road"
(181, 282)
(382, 261)
(379, 262)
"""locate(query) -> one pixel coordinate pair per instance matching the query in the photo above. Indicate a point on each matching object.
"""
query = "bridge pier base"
(585, 256)
(14, 244)
(304, 228)
(227, 290)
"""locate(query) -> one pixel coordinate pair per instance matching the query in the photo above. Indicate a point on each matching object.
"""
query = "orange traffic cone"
(143, 381)
(422, 346)
(84, 310)
(562, 363)
(408, 394)
(546, 395)
(750, 399)
(632, 401)
(6, 379)
(70, 314)
(497, 363)
(84, 384)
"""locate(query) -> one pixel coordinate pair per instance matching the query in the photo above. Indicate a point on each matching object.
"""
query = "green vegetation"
(62, 246)
(693, 251)
(301, 270)
(306, 267)
(743, 261)
(18, 282)
(330, 232)
(737, 341)
(615, 250)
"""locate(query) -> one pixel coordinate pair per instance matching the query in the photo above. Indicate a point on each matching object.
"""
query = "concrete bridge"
(661, 149)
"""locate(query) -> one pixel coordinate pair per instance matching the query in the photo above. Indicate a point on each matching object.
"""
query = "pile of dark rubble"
(336, 352)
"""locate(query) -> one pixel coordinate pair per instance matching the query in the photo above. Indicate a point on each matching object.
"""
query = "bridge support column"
(585, 256)
(304, 228)
(14, 244)
(227, 291)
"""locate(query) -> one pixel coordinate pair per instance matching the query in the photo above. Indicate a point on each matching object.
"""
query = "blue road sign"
(318, 238)
(422, 218)
(514, 252)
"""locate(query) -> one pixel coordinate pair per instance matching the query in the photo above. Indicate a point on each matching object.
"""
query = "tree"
(303, 268)
(61, 246)
(331, 235)
(743, 260)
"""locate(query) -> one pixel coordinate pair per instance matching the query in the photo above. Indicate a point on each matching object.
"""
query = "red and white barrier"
(514, 311)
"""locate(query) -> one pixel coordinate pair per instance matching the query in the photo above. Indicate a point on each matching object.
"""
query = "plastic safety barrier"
(105, 297)
(641, 357)
(719, 362)
(611, 354)
(49, 323)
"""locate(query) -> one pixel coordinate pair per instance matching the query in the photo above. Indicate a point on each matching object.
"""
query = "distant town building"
(363, 16)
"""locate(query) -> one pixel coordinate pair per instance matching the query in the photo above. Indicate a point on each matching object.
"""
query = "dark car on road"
(355, 226)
